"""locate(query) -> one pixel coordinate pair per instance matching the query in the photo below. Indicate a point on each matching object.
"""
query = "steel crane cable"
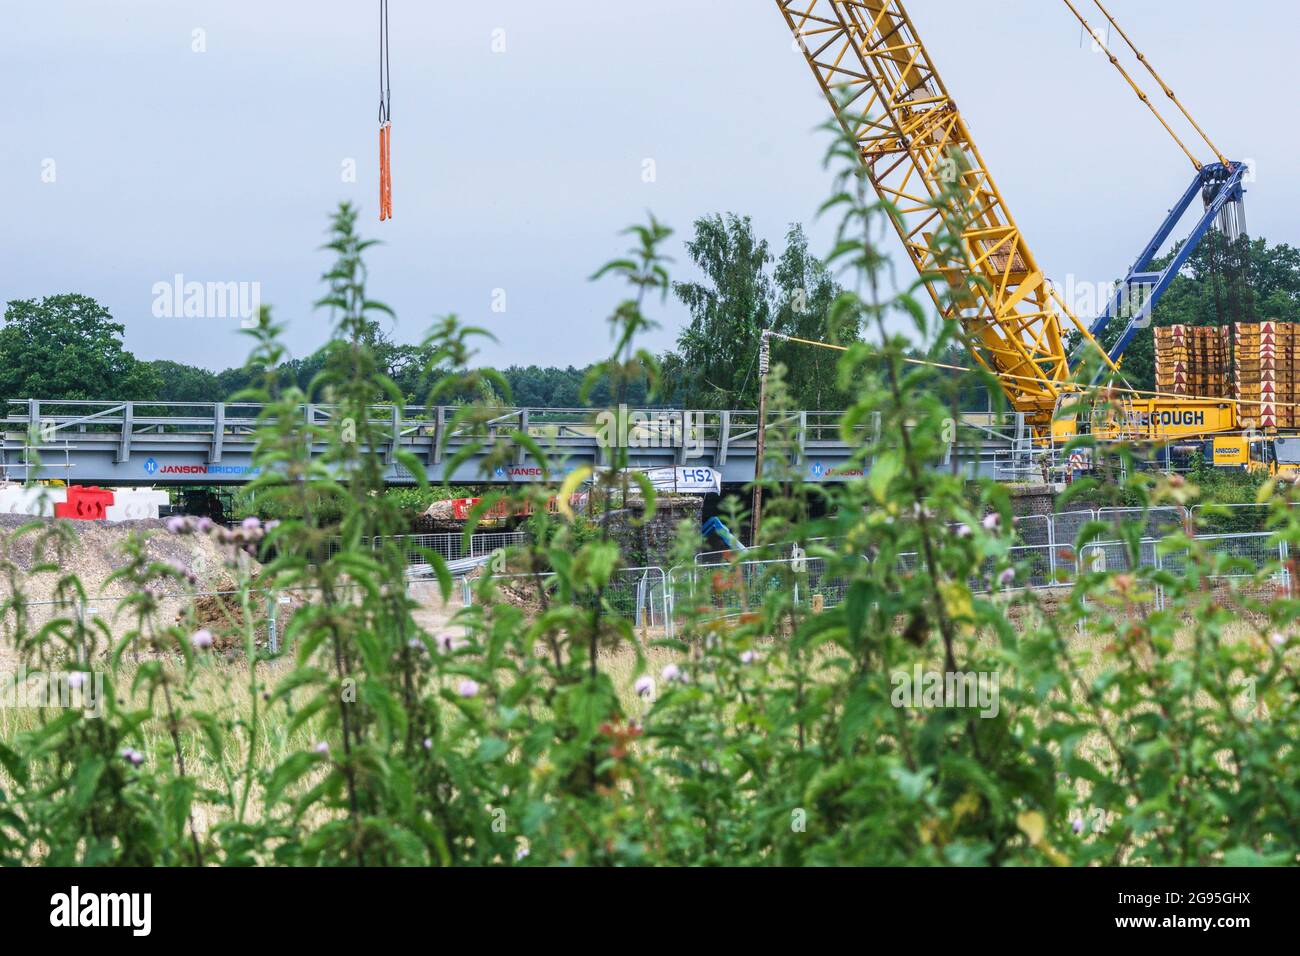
(1141, 93)
(1078, 392)
(385, 119)
(1163, 85)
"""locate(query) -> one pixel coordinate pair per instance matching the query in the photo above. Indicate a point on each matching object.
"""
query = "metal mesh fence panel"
(1115, 557)
(1067, 525)
(639, 595)
(1065, 532)
(1243, 556)
(1034, 530)
(727, 590)
(824, 584)
(1155, 523)
(1233, 519)
(764, 552)
(1033, 566)
(451, 546)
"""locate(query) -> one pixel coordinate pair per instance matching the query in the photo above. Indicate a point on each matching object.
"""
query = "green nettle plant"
(1139, 717)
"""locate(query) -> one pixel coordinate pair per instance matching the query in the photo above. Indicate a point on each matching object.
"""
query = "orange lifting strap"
(385, 120)
(385, 172)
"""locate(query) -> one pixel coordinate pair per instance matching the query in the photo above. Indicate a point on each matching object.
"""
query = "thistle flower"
(468, 688)
(132, 756)
(322, 748)
(1278, 640)
(963, 531)
(644, 686)
(748, 657)
(1007, 577)
(252, 523)
(992, 522)
(1077, 825)
(673, 674)
(178, 524)
(201, 639)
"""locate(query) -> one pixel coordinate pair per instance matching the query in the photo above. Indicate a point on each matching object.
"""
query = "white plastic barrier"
(129, 504)
(17, 500)
(135, 504)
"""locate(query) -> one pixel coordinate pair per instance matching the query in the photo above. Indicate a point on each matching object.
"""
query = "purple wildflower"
(675, 675)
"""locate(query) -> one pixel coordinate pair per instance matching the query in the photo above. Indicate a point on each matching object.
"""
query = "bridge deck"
(126, 443)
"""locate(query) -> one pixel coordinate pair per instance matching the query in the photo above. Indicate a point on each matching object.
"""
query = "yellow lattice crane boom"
(918, 152)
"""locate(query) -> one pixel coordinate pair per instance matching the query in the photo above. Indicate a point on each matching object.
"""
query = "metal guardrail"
(100, 438)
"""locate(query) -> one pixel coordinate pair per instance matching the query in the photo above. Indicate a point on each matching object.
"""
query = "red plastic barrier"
(84, 504)
(461, 507)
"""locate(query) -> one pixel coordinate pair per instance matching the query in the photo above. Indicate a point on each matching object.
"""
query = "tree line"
(69, 347)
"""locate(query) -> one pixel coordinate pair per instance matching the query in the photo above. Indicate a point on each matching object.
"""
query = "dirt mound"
(95, 551)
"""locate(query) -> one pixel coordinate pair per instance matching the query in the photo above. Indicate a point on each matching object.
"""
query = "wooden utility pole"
(756, 514)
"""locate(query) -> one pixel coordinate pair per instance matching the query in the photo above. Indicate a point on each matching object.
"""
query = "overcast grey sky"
(515, 170)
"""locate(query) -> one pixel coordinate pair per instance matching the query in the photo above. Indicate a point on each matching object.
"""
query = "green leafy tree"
(185, 383)
(715, 364)
(806, 291)
(717, 353)
(68, 347)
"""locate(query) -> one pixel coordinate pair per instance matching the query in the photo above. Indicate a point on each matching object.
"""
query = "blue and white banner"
(686, 481)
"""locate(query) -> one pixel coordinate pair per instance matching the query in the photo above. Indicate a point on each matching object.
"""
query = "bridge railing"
(58, 433)
(710, 426)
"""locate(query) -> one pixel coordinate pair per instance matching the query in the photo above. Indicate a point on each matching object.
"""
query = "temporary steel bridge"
(151, 443)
